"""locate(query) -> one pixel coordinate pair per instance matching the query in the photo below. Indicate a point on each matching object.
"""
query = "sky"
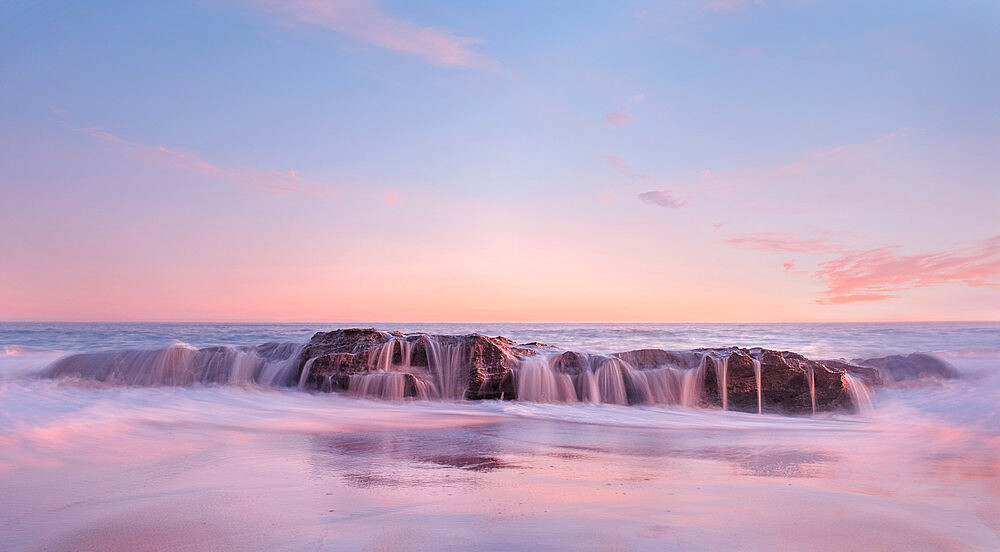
(311, 160)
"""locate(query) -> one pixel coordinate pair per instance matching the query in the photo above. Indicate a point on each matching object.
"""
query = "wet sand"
(117, 469)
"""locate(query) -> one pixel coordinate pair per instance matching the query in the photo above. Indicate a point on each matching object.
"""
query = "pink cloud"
(364, 20)
(867, 297)
(622, 117)
(878, 274)
(391, 198)
(772, 241)
(617, 118)
(272, 182)
(662, 198)
(616, 161)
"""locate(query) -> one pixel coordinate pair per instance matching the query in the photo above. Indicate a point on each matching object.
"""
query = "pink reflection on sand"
(292, 470)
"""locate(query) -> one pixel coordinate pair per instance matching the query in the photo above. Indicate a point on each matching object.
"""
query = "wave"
(274, 364)
(12, 350)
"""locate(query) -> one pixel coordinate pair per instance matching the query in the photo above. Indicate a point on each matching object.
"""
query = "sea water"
(89, 466)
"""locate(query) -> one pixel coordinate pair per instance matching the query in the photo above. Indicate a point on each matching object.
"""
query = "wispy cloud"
(271, 182)
(366, 21)
(773, 241)
(617, 118)
(616, 161)
(866, 275)
(662, 198)
(878, 274)
(815, 164)
(623, 116)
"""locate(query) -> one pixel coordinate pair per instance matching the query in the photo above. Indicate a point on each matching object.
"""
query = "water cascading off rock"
(394, 366)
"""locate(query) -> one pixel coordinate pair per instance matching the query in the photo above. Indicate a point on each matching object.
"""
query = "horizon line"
(551, 322)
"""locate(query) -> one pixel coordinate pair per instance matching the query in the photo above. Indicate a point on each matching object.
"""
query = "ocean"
(101, 465)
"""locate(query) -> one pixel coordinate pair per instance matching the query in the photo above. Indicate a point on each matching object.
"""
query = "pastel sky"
(311, 160)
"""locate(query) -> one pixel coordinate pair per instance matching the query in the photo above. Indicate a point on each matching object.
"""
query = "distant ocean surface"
(816, 340)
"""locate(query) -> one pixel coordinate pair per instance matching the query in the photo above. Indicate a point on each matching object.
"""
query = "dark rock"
(646, 359)
(870, 376)
(537, 345)
(478, 367)
(742, 383)
(571, 363)
(785, 382)
(898, 368)
(354, 340)
(491, 365)
(332, 357)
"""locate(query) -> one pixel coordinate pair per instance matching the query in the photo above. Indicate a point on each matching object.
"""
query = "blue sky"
(798, 160)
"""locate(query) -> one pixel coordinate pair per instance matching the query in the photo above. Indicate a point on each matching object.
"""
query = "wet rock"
(571, 363)
(487, 369)
(355, 341)
(486, 363)
(645, 359)
(491, 365)
(537, 345)
(393, 365)
(741, 384)
(897, 368)
(785, 378)
(868, 375)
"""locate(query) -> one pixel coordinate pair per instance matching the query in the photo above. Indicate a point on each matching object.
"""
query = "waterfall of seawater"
(587, 388)
(861, 395)
(760, 388)
(383, 358)
(664, 385)
(693, 384)
(391, 366)
(378, 385)
(721, 365)
(281, 363)
(538, 382)
(611, 382)
(389, 386)
(306, 369)
(268, 364)
(435, 367)
(449, 367)
(811, 377)
(608, 380)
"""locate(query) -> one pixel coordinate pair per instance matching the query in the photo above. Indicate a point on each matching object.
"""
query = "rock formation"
(395, 366)
(479, 367)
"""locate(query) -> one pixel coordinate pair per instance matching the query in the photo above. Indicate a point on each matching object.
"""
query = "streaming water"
(760, 389)
(721, 377)
(811, 378)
